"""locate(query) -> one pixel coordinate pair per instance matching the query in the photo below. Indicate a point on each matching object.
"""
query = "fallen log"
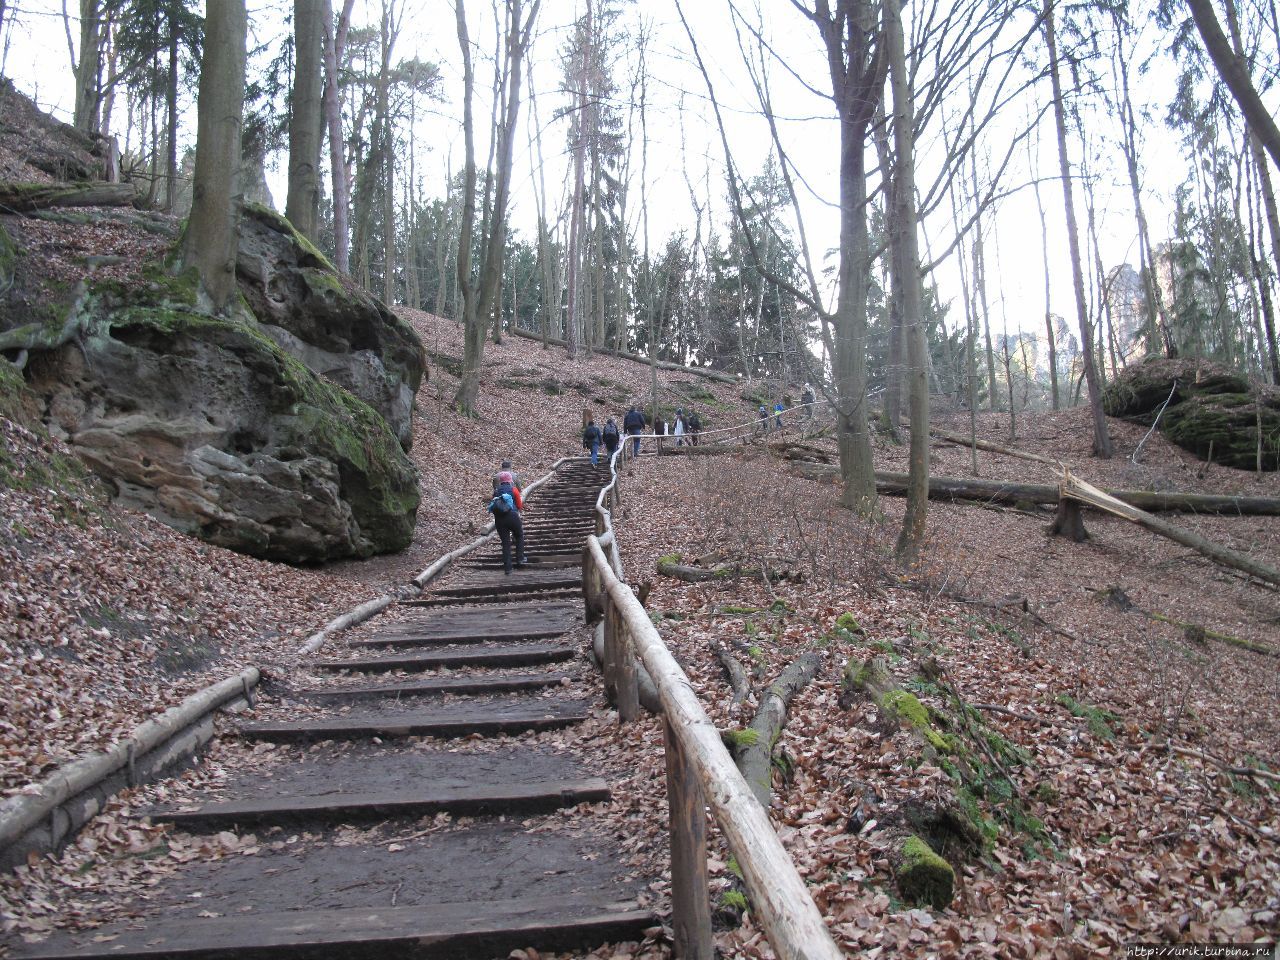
(17, 197)
(754, 747)
(735, 673)
(961, 440)
(1077, 489)
(670, 566)
(44, 815)
(1000, 491)
(715, 375)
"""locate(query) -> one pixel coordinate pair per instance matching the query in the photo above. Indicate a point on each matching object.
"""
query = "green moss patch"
(924, 878)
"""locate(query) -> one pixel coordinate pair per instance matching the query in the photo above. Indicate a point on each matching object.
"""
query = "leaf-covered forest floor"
(1108, 837)
(109, 617)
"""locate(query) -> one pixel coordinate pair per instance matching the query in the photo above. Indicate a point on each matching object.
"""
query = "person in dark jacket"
(695, 427)
(591, 439)
(611, 436)
(633, 424)
(506, 520)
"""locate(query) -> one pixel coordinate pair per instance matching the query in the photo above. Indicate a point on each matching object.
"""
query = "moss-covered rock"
(338, 330)
(923, 877)
(208, 425)
(1214, 411)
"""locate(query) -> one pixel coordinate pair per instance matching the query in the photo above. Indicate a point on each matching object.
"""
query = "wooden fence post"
(590, 586)
(609, 665)
(690, 903)
(628, 689)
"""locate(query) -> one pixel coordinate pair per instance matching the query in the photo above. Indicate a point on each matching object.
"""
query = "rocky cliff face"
(338, 330)
(279, 431)
(211, 427)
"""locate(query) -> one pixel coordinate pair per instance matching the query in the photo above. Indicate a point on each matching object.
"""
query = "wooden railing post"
(628, 689)
(591, 585)
(690, 904)
(609, 666)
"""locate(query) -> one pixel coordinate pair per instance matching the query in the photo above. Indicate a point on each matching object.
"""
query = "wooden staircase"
(344, 866)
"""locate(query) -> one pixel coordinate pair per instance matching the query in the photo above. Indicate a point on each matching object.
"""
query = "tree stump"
(1069, 521)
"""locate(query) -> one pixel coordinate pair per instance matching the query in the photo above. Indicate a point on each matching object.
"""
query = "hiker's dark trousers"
(509, 526)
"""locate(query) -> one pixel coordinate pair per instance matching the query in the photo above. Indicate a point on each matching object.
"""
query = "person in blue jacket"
(591, 440)
(633, 425)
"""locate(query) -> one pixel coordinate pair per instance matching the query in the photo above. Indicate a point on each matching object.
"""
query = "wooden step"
(433, 602)
(521, 581)
(483, 683)
(454, 721)
(527, 621)
(415, 932)
(470, 799)
(518, 655)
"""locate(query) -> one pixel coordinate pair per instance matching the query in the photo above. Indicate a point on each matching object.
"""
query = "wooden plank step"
(414, 932)
(529, 621)
(454, 721)
(518, 655)
(479, 635)
(484, 683)
(470, 799)
(434, 602)
(521, 581)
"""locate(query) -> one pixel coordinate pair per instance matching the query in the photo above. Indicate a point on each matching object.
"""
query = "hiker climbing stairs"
(376, 829)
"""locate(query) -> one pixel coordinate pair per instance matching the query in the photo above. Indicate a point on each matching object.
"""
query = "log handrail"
(779, 897)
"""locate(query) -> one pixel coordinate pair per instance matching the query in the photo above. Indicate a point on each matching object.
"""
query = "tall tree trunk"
(479, 298)
(1048, 301)
(211, 241)
(113, 60)
(1101, 438)
(335, 43)
(88, 68)
(891, 410)
(982, 306)
(171, 112)
(1157, 322)
(1234, 71)
(574, 320)
(906, 260)
(1268, 193)
(306, 116)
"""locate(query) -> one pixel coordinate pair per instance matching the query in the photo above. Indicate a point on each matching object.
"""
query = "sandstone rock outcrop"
(208, 425)
(338, 330)
(1214, 411)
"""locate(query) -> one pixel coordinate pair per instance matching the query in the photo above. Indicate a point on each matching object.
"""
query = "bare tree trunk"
(113, 59)
(907, 269)
(171, 114)
(1048, 308)
(1235, 74)
(211, 241)
(1101, 438)
(482, 296)
(335, 42)
(89, 67)
(574, 321)
(1268, 194)
(306, 117)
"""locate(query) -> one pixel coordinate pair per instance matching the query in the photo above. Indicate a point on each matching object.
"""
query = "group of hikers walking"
(684, 427)
(508, 501)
